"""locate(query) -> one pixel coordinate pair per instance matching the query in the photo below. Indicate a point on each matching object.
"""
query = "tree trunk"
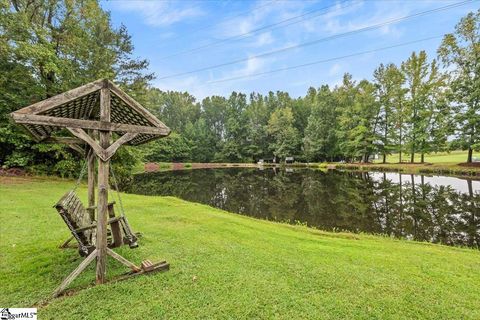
(412, 156)
(422, 157)
(385, 139)
(470, 154)
(401, 141)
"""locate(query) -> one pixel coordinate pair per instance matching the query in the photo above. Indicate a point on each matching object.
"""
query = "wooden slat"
(91, 182)
(86, 124)
(62, 98)
(136, 106)
(91, 226)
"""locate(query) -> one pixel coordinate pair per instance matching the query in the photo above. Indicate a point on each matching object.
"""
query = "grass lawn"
(457, 156)
(452, 163)
(227, 266)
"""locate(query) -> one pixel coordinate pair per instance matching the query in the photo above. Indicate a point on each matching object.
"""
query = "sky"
(233, 42)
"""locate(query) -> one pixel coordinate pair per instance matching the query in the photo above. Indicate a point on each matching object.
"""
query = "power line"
(254, 31)
(247, 12)
(314, 42)
(324, 61)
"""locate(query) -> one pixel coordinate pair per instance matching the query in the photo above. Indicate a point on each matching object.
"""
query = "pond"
(425, 208)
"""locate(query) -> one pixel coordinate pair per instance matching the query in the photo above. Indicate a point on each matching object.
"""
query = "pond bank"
(450, 169)
(229, 266)
(438, 209)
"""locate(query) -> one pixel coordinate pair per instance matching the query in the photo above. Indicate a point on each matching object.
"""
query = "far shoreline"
(460, 170)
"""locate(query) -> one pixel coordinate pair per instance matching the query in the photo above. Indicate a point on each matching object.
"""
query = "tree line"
(420, 106)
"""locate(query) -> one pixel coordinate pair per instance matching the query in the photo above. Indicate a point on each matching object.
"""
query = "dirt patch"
(14, 180)
(151, 167)
(178, 166)
(470, 165)
(12, 172)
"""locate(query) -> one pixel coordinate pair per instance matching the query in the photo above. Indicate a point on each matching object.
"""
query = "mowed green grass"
(225, 265)
(452, 157)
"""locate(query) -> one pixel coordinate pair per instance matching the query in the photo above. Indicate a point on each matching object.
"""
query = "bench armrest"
(94, 225)
(95, 207)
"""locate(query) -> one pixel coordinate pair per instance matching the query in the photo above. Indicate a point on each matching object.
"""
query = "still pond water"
(425, 208)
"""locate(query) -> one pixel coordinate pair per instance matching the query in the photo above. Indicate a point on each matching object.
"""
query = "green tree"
(345, 97)
(387, 86)
(285, 136)
(202, 141)
(47, 47)
(214, 112)
(360, 121)
(233, 149)
(176, 109)
(172, 148)
(425, 85)
(398, 104)
(320, 141)
(257, 116)
(460, 51)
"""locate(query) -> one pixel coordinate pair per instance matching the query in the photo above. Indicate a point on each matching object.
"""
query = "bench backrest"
(75, 216)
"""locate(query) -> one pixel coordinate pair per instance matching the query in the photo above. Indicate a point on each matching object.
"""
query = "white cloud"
(160, 13)
(354, 17)
(251, 66)
(263, 39)
(335, 69)
(268, 12)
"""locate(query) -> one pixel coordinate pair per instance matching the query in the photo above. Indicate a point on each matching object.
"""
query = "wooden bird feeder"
(94, 114)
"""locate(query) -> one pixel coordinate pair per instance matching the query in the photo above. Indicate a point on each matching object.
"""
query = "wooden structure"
(94, 114)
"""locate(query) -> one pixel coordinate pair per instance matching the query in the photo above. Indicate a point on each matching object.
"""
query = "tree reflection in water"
(439, 210)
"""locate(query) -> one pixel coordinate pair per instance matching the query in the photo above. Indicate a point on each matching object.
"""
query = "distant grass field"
(227, 266)
(441, 157)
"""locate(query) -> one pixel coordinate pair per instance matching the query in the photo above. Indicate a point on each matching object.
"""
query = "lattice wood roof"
(45, 117)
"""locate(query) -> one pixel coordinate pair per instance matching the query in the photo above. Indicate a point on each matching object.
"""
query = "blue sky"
(169, 33)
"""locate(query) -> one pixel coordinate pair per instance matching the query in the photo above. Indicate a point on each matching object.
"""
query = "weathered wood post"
(103, 172)
(91, 182)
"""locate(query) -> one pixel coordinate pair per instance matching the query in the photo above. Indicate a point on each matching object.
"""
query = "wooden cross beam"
(102, 153)
(86, 124)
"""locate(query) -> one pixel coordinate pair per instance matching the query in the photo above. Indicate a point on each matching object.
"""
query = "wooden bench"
(82, 224)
